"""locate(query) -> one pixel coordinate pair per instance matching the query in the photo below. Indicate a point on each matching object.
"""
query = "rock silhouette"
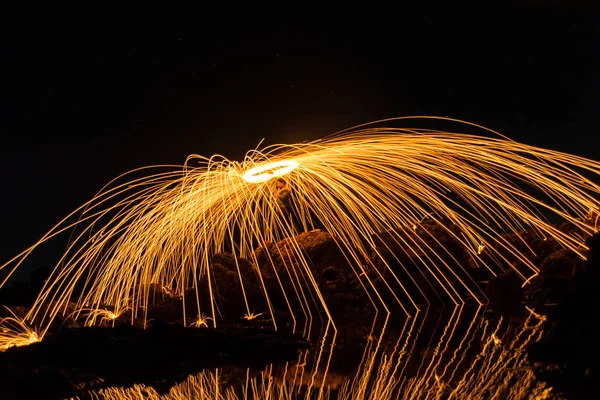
(73, 358)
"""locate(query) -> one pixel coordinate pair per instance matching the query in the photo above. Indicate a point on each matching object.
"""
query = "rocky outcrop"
(568, 356)
(76, 360)
(292, 264)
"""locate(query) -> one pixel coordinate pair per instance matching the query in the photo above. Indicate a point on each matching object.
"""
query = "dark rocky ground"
(76, 360)
(567, 293)
(568, 356)
(73, 359)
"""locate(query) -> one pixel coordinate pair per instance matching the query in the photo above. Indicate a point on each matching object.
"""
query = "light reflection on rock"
(456, 354)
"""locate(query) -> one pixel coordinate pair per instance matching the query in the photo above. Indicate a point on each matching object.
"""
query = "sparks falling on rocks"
(369, 187)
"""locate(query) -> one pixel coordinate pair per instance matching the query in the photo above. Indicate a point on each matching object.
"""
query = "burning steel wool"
(162, 229)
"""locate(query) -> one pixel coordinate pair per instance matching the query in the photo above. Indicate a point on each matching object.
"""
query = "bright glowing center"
(263, 173)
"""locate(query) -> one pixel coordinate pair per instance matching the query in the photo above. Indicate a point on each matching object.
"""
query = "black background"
(87, 96)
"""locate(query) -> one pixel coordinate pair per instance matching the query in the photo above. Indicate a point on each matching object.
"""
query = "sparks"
(162, 230)
(266, 172)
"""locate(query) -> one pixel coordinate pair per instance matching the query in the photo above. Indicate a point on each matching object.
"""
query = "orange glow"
(14, 331)
(164, 228)
(265, 172)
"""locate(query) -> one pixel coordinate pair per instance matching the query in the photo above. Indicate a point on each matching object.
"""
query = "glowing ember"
(266, 172)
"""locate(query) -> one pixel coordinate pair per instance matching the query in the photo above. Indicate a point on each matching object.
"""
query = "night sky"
(85, 97)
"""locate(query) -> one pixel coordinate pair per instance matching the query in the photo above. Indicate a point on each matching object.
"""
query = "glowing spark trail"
(271, 170)
(359, 185)
(14, 331)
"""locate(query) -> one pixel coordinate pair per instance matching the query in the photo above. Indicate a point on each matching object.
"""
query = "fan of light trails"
(14, 331)
(164, 227)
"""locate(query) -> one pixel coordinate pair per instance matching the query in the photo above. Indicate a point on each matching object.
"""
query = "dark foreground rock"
(71, 361)
(312, 256)
(566, 292)
(559, 268)
(76, 360)
(568, 355)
